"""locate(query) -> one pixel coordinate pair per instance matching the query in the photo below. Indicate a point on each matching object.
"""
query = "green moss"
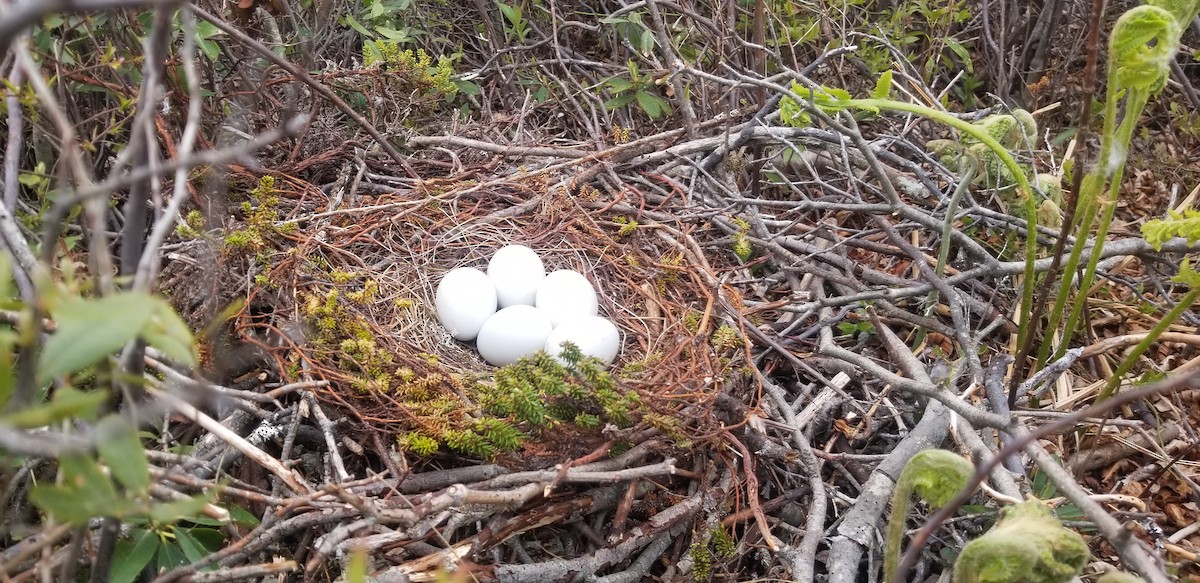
(725, 338)
(260, 220)
(540, 391)
(192, 226)
(415, 67)
(722, 543)
(628, 226)
(417, 443)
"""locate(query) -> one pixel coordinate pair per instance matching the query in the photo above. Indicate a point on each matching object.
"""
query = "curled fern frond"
(937, 476)
(1141, 47)
(1027, 545)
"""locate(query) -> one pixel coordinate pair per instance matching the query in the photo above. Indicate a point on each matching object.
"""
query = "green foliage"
(639, 89)
(1142, 46)
(167, 547)
(1027, 545)
(415, 67)
(516, 29)
(630, 27)
(417, 443)
(384, 19)
(90, 329)
(705, 550)
(725, 338)
(262, 220)
(937, 476)
(741, 240)
(540, 391)
(628, 226)
(192, 226)
(1177, 224)
(701, 560)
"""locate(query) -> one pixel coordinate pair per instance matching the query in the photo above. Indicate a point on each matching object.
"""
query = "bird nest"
(341, 282)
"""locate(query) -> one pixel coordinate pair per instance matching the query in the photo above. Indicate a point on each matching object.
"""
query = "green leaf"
(1187, 276)
(169, 557)
(195, 543)
(512, 13)
(242, 517)
(838, 93)
(467, 87)
(883, 87)
(653, 105)
(168, 332)
(169, 512)
(121, 450)
(646, 41)
(356, 25)
(1184, 224)
(211, 50)
(375, 10)
(963, 55)
(90, 330)
(619, 85)
(68, 403)
(619, 101)
(394, 35)
(85, 493)
(131, 556)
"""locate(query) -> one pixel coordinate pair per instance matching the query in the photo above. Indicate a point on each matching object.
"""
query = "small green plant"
(628, 226)
(1142, 47)
(630, 27)
(639, 89)
(516, 29)
(741, 240)
(384, 19)
(192, 226)
(857, 324)
(262, 220)
(417, 67)
(937, 476)
(541, 391)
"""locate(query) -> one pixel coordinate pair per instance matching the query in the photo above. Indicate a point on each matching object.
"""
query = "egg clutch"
(516, 309)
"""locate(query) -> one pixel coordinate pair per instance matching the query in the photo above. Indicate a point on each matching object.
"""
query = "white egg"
(595, 336)
(465, 300)
(565, 294)
(516, 271)
(511, 333)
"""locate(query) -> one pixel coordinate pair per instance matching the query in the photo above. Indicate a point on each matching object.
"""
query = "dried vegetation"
(800, 315)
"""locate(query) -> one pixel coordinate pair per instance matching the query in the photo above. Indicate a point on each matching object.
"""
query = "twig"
(307, 79)
(289, 477)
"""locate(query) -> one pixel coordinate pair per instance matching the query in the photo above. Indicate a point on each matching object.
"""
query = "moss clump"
(1027, 545)
(415, 68)
(260, 220)
(540, 391)
(628, 226)
(725, 338)
(720, 545)
(192, 226)
(741, 240)
(417, 443)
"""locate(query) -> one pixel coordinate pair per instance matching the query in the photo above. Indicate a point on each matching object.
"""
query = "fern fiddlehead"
(937, 476)
(1141, 47)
